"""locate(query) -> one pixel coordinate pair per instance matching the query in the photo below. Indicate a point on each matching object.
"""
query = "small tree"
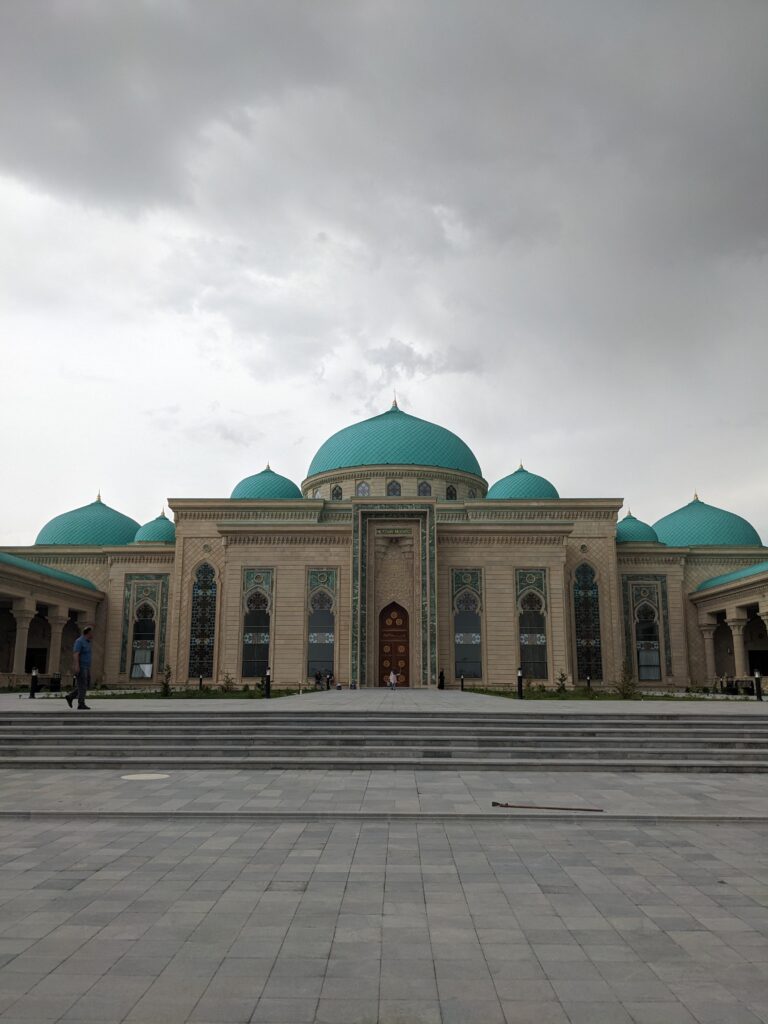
(228, 682)
(562, 679)
(166, 683)
(627, 688)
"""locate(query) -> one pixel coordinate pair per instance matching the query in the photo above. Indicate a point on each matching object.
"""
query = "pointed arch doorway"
(394, 644)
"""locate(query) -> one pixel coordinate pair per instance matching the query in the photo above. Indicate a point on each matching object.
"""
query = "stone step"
(157, 762)
(373, 751)
(648, 742)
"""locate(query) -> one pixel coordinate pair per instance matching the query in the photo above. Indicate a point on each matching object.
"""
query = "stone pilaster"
(23, 616)
(57, 621)
(739, 652)
(708, 633)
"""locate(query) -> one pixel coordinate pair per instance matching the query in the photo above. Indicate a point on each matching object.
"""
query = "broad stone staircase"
(388, 740)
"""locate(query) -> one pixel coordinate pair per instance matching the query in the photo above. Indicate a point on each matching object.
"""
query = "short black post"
(589, 681)
(758, 685)
(200, 684)
(519, 684)
(33, 684)
(267, 684)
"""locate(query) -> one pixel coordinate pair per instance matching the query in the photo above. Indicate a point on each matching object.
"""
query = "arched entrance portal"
(394, 645)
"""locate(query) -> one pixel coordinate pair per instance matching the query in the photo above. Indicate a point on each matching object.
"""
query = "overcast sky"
(229, 229)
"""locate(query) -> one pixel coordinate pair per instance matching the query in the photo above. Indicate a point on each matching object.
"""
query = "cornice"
(287, 539)
(651, 560)
(487, 539)
(754, 589)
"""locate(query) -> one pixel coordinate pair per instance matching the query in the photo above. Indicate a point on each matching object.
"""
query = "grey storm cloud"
(544, 222)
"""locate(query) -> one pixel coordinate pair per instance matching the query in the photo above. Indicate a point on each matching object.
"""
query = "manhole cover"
(142, 776)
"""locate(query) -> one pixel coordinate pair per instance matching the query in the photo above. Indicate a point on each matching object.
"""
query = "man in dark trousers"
(441, 680)
(82, 669)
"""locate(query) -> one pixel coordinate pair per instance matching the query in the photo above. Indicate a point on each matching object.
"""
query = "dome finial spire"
(268, 468)
(394, 399)
(98, 495)
(696, 496)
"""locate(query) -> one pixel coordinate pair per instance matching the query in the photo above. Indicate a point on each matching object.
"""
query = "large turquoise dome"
(634, 531)
(522, 486)
(266, 486)
(157, 531)
(394, 438)
(700, 524)
(96, 524)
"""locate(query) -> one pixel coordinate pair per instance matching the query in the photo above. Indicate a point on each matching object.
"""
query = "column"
(23, 618)
(708, 632)
(739, 653)
(57, 621)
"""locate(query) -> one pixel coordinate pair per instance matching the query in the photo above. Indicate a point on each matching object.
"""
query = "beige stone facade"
(405, 567)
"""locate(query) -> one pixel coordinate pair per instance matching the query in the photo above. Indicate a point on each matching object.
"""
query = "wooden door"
(394, 646)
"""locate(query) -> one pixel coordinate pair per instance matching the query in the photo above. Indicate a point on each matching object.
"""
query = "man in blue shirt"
(82, 669)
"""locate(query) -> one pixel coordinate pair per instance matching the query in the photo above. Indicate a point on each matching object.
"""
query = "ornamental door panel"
(394, 646)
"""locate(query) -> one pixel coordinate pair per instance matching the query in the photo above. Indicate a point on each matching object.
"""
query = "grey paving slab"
(382, 699)
(303, 794)
(478, 961)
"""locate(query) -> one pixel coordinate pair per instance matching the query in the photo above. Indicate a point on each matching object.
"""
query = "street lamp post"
(520, 684)
(758, 685)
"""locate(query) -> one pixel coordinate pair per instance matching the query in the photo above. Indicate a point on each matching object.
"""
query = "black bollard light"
(519, 684)
(33, 684)
(758, 685)
(462, 680)
(589, 681)
(267, 684)
(200, 684)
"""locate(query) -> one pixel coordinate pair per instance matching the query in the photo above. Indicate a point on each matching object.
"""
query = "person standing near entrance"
(392, 680)
(82, 669)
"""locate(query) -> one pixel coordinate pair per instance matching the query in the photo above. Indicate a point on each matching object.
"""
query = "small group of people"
(330, 680)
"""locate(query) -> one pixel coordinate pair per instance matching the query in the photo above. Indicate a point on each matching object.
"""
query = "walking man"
(82, 669)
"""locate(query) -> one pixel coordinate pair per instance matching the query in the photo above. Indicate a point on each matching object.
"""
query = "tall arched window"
(450, 493)
(393, 489)
(467, 636)
(586, 613)
(425, 489)
(533, 636)
(202, 632)
(320, 633)
(336, 493)
(647, 643)
(256, 635)
(143, 644)
(363, 489)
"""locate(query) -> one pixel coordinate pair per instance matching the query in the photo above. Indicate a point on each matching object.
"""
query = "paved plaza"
(383, 897)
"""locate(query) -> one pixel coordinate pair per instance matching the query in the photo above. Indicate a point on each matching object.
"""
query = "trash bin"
(55, 684)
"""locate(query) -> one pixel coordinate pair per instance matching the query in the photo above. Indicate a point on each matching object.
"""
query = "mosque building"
(394, 554)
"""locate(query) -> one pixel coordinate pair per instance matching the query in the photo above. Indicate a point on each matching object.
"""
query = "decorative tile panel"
(652, 590)
(138, 587)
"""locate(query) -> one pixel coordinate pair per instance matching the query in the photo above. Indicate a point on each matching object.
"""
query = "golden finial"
(696, 496)
(629, 512)
(521, 466)
(268, 467)
(162, 512)
(98, 495)
(394, 399)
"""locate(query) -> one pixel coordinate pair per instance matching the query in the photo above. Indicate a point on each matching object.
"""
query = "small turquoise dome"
(266, 486)
(700, 524)
(157, 531)
(394, 438)
(634, 531)
(96, 524)
(521, 486)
